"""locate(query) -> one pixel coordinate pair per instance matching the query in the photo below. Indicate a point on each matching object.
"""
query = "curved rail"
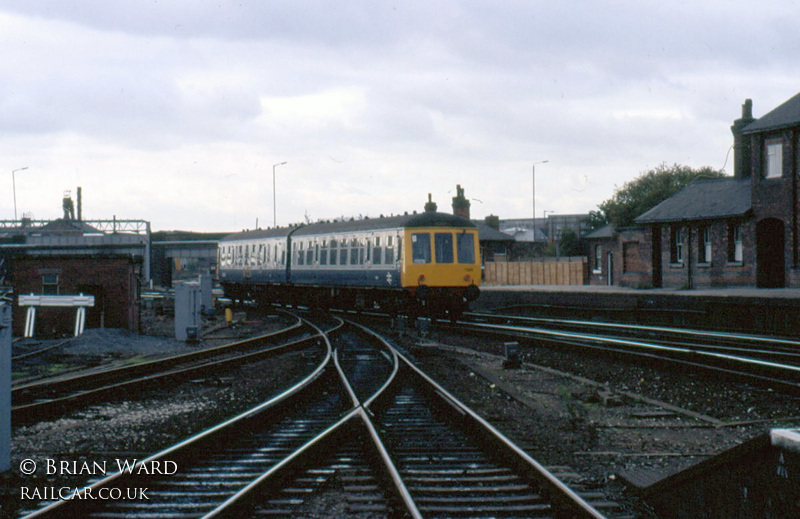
(562, 498)
(201, 442)
(772, 374)
(36, 400)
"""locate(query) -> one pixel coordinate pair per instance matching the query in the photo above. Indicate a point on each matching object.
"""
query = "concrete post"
(5, 385)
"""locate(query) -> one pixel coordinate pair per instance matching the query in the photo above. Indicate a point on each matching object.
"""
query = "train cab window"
(421, 247)
(465, 246)
(444, 247)
(377, 251)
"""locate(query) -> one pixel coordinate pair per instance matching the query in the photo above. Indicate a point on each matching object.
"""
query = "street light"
(274, 207)
(14, 185)
(533, 176)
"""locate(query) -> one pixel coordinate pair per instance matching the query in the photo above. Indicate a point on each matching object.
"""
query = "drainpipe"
(690, 278)
(795, 172)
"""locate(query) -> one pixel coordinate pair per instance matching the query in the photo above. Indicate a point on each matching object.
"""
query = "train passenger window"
(310, 254)
(389, 251)
(334, 251)
(444, 247)
(466, 248)
(355, 252)
(300, 256)
(399, 257)
(421, 247)
(377, 252)
(323, 253)
(365, 244)
(343, 252)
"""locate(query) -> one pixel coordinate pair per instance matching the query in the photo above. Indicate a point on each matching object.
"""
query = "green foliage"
(568, 245)
(646, 191)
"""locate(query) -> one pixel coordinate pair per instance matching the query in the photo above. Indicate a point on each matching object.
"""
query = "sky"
(177, 111)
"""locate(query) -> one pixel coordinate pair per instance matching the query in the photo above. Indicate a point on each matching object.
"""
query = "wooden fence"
(548, 271)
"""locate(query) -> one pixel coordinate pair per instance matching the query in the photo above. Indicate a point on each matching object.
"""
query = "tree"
(646, 191)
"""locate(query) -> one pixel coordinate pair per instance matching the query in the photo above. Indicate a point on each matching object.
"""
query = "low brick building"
(737, 231)
(111, 278)
(70, 257)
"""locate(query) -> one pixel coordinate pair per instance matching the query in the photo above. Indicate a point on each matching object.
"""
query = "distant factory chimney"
(430, 205)
(68, 206)
(460, 203)
(742, 148)
(80, 205)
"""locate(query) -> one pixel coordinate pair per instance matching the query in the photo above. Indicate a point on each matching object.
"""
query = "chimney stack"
(430, 205)
(460, 203)
(742, 147)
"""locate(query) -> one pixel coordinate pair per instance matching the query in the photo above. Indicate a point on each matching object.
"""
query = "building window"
(676, 245)
(598, 259)
(774, 161)
(704, 245)
(735, 247)
(50, 284)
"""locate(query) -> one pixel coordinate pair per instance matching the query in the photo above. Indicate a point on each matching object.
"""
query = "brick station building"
(736, 231)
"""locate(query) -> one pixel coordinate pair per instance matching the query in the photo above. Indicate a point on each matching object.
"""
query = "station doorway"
(770, 253)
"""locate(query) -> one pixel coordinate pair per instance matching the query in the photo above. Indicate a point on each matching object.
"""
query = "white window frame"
(598, 259)
(774, 167)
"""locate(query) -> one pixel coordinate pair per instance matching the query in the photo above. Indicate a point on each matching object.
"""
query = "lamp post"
(274, 207)
(533, 177)
(14, 186)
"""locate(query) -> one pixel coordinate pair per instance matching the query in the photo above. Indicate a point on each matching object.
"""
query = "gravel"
(153, 420)
(553, 407)
(559, 419)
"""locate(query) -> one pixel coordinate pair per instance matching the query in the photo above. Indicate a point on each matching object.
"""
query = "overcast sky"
(175, 111)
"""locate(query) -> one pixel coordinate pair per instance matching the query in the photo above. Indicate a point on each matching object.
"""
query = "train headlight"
(421, 279)
(467, 277)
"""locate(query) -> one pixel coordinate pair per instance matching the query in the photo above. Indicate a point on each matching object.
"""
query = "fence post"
(5, 384)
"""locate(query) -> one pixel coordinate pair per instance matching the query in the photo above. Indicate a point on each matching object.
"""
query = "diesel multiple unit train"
(421, 264)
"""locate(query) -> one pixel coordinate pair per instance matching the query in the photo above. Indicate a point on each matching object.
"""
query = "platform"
(746, 310)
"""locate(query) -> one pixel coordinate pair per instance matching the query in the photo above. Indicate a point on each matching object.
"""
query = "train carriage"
(427, 263)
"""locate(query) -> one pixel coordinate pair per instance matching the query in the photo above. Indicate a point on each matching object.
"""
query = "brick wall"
(719, 271)
(114, 281)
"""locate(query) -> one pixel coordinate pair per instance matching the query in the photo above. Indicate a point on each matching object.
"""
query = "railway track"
(53, 396)
(367, 434)
(764, 361)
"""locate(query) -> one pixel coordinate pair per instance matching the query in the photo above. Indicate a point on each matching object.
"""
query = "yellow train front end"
(441, 268)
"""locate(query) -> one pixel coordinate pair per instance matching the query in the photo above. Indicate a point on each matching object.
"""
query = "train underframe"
(421, 301)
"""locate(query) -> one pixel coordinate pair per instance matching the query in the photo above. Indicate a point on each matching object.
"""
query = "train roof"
(366, 224)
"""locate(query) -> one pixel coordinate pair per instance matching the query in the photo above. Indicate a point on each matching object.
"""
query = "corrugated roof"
(703, 199)
(786, 115)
